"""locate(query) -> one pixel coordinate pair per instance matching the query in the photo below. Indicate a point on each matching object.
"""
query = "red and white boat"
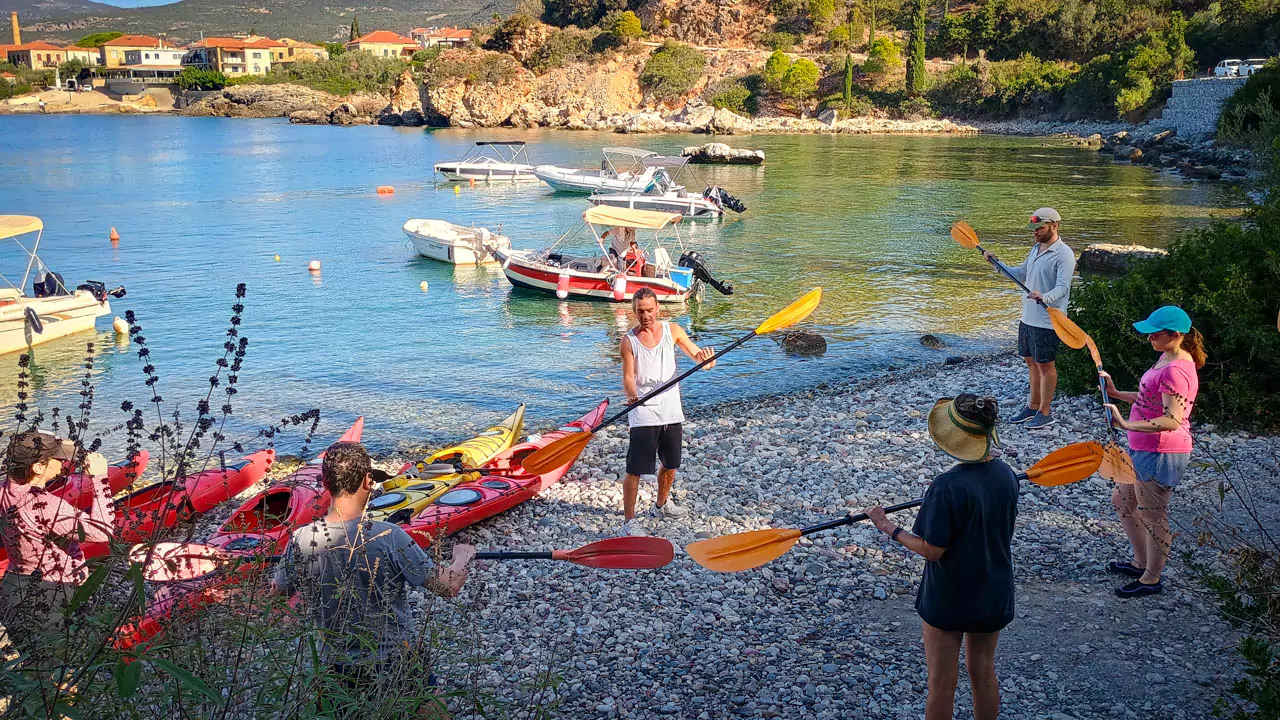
(620, 267)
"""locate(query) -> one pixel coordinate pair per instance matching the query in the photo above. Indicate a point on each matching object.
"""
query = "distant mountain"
(314, 20)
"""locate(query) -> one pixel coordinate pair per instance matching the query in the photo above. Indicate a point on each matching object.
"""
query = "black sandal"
(1137, 588)
(1125, 568)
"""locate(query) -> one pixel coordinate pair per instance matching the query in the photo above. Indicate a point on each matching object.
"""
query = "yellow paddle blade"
(559, 453)
(963, 233)
(743, 551)
(793, 313)
(1072, 463)
(1093, 351)
(1117, 466)
(1067, 330)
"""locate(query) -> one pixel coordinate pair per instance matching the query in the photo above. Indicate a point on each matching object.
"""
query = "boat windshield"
(504, 151)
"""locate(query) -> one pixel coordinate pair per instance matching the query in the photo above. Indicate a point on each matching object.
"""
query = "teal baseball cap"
(1169, 317)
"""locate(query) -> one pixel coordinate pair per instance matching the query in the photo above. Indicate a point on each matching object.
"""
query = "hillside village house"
(112, 51)
(38, 55)
(447, 37)
(9, 77)
(385, 43)
(291, 50)
(88, 56)
(232, 57)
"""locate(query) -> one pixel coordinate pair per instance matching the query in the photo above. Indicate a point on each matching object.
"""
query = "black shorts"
(1039, 344)
(664, 441)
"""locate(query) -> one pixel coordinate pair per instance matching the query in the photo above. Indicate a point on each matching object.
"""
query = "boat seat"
(10, 294)
(591, 265)
(661, 259)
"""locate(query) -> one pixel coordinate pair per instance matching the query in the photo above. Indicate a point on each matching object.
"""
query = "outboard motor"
(99, 290)
(701, 271)
(51, 285)
(717, 195)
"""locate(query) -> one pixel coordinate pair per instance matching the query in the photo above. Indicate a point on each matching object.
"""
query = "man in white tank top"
(648, 361)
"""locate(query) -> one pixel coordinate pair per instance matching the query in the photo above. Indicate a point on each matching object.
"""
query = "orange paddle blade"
(963, 233)
(1117, 466)
(172, 561)
(1067, 330)
(1072, 463)
(743, 551)
(793, 313)
(1093, 351)
(623, 553)
(557, 454)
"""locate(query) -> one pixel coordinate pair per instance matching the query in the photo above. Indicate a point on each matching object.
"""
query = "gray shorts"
(1039, 344)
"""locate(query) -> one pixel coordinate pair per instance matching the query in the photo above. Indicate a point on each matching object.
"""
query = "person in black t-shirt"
(964, 531)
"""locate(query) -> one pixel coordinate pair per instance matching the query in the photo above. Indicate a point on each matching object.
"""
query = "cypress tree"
(915, 51)
(848, 80)
(355, 28)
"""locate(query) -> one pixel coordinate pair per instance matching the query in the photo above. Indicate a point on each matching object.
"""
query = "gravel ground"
(829, 629)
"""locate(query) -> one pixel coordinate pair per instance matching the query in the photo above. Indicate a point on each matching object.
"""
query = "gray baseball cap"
(1043, 216)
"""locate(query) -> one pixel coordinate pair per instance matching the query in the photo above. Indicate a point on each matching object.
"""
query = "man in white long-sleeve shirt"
(1047, 271)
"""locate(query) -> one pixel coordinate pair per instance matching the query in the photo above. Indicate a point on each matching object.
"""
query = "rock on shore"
(262, 101)
(1109, 257)
(722, 154)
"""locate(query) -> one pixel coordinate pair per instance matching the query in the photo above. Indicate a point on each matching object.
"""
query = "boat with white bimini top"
(490, 161)
(457, 244)
(51, 311)
(665, 194)
(622, 169)
(621, 266)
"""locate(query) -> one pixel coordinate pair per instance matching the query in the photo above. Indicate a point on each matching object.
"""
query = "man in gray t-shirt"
(353, 575)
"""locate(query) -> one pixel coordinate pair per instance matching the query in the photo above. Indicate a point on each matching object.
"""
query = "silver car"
(1253, 65)
(1227, 68)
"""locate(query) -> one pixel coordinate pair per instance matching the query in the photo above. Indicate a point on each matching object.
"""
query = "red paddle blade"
(173, 561)
(622, 553)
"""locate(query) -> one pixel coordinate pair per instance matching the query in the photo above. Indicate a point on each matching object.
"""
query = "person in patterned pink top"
(41, 535)
(1159, 427)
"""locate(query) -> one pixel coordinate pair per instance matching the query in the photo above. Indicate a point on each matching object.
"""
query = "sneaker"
(671, 510)
(1137, 588)
(1023, 415)
(1125, 568)
(1041, 421)
(630, 528)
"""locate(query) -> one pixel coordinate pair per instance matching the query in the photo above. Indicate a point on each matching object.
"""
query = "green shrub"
(952, 37)
(775, 68)
(1251, 117)
(513, 28)
(801, 80)
(352, 72)
(779, 41)
(625, 28)
(822, 13)
(882, 57)
(732, 94)
(915, 108)
(672, 70)
(1228, 278)
(560, 48)
(962, 91)
(489, 68)
(192, 78)
(562, 13)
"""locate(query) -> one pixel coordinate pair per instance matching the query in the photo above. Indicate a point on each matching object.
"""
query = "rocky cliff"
(722, 23)
(262, 101)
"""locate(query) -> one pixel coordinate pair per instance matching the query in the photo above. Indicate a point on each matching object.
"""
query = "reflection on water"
(202, 204)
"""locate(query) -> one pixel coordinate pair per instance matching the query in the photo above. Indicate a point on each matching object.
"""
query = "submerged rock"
(799, 342)
(932, 341)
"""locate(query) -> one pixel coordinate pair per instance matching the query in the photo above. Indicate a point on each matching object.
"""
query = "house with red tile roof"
(291, 50)
(447, 36)
(385, 43)
(9, 78)
(233, 57)
(38, 55)
(111, 53)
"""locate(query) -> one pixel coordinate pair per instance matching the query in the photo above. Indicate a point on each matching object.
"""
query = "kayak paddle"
(1117, 466)
(743, 551)
(1067, 331)
(566, 449)
(174, 561)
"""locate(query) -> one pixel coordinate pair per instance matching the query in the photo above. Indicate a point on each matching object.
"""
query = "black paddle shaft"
(851, 519)
(515, 555)
(671, 383)
(996, 264)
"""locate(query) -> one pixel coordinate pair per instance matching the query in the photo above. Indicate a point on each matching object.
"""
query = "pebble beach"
(829, 629)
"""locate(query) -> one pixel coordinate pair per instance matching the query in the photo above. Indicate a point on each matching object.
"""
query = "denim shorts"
(1166, 469)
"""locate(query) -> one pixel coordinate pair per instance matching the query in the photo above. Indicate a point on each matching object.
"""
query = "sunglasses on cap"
(1038, 219)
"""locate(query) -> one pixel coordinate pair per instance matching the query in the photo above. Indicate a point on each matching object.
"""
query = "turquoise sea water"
(203, 204)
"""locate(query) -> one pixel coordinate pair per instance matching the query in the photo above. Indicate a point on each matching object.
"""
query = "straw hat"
(963, 438)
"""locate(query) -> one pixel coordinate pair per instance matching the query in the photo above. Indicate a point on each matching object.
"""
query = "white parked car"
(1252, 65)
(1227, 68)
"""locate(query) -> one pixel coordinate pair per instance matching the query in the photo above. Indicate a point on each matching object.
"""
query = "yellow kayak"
(404, 495)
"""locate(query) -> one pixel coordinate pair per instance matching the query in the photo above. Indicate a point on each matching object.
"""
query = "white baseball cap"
(1043, 216)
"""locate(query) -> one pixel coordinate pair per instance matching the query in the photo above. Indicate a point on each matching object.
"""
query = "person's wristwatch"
(894, 535)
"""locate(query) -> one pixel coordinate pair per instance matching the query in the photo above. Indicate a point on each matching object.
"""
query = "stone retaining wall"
(1196, 105)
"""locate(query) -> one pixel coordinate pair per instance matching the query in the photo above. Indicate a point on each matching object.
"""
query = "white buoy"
(120, 326)
(314, 266)
(422, 286)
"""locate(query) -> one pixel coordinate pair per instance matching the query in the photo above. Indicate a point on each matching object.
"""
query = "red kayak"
(510, 485)
(162, 505)
(258, 529)
(75, 489)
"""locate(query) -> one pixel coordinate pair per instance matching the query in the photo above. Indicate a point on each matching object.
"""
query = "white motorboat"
(457, 244)
(622, 169)
(51, 311)
(490, 161)
(666, 195)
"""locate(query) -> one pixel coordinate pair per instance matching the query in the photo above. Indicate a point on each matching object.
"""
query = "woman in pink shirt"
(1159, 427)
(41, 534)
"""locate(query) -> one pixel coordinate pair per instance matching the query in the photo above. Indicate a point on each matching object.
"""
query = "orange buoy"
(471, 181)
(313, 266)
(115, 237)
(386, 190)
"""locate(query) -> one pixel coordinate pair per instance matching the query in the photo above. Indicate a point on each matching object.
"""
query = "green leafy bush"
(775, 68)
(1228, 278)
(1251, 117)
(562, 13)
(192, 78)
(672, 70)
(1026, 87)
(882, 57)
(915, 108)
(334, 49)
(822, 13)
(352, 72)
(625, 28)
(513, 28)
(560, 48)
(779, 41)
(732, 94)
(801, 80)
